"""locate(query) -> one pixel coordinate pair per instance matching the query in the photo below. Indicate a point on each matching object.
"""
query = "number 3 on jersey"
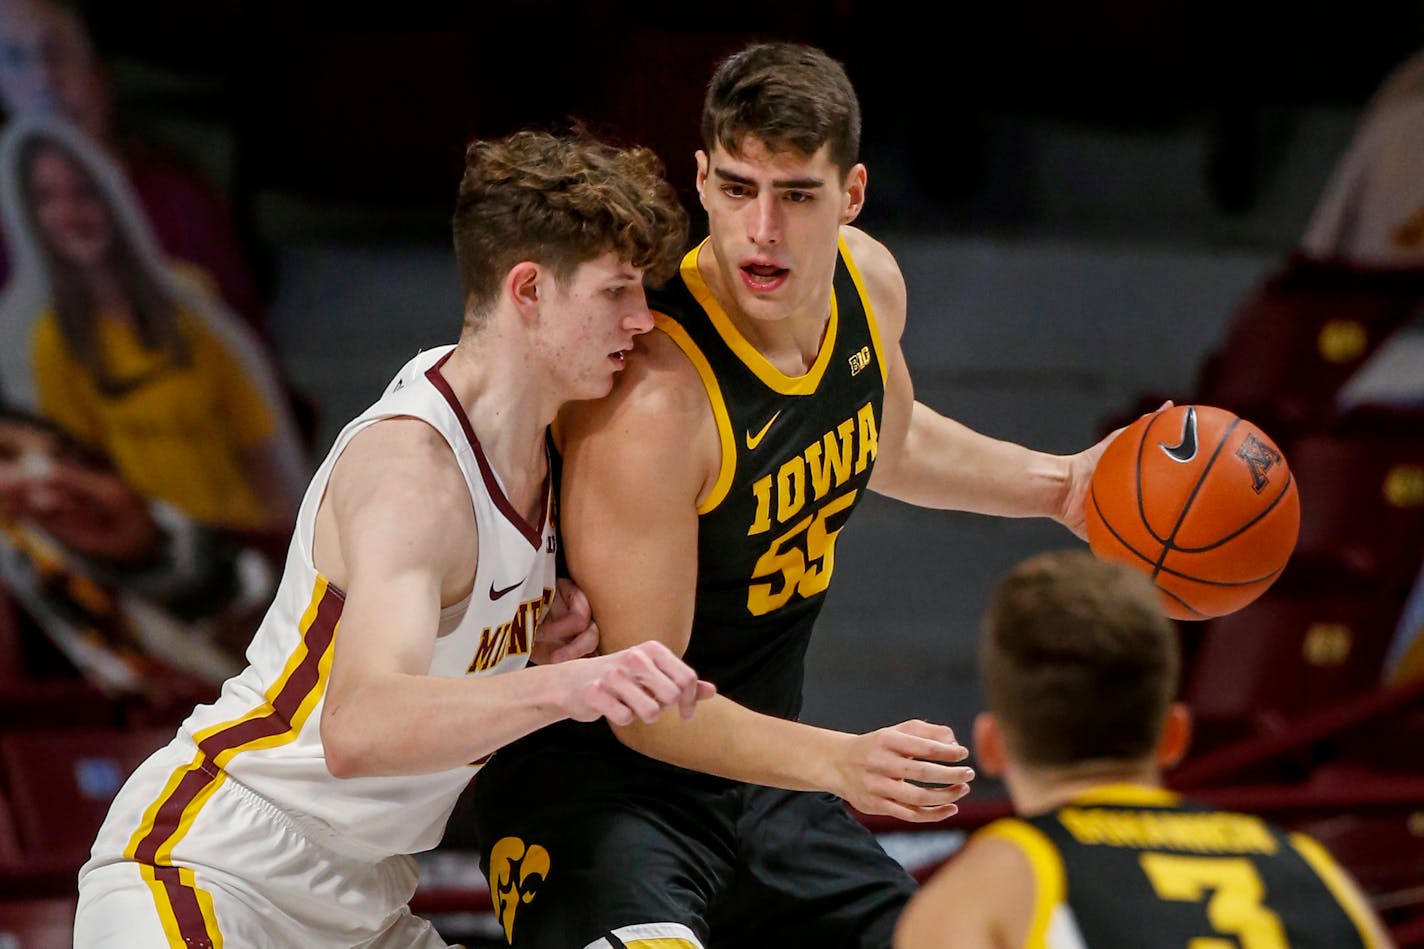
(1233, 892)
(799, 561)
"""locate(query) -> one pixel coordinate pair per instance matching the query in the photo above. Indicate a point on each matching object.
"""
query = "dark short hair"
(561, 200)
(1078, 660)
(787, 96)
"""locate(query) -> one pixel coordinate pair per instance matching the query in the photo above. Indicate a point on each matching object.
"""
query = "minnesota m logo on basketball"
(1259, 458)
(512, 638)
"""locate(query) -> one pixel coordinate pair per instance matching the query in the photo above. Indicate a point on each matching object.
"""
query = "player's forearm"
(382, 725)
(945, 464)
(732, 741)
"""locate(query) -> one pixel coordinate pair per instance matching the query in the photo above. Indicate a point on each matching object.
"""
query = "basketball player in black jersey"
(1079, 668)
(702, 503)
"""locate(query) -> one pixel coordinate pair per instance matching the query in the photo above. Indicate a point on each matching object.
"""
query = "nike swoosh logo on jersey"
(754, 440)
(496, 594)
(1186, 449)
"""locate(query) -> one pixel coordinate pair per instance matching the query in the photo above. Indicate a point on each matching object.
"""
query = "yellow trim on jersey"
(293, 662)
(145, 826)
(664, 935)
(728, 441)
(167, 916)
(1330, 873)
(773, 377)
(1129, 795)
(205, 902)
(870, 321)
(163, 854)
(1050, 889)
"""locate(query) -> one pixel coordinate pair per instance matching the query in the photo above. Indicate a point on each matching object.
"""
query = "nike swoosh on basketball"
(754, 440)
(496, 594)
(1186, 449)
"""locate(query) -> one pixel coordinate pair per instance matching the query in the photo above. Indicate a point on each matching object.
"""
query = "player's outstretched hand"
(1073, 513)
(906, 771)
(638, 682)
(568, 630)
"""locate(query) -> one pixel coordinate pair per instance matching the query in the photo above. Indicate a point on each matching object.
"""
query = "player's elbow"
(345, 753)
(638, 736)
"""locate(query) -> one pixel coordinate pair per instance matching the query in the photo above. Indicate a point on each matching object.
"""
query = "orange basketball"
(1200, 500)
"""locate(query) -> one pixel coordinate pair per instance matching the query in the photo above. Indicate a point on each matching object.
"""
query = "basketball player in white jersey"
(392, 661)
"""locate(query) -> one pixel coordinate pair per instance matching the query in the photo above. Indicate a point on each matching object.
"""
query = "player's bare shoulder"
(658, 391)
(398, 480)
(880, 273)
(658, 417)
(984, 896)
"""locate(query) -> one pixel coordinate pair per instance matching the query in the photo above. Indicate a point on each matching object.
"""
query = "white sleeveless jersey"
(263, 729)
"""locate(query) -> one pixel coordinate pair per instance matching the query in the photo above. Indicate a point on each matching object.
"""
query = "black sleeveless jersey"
(1137, 867)
(796, 457)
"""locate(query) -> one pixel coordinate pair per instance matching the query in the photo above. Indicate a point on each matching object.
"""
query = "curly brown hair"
(561, 199)
(1078, 660)
(787, 96)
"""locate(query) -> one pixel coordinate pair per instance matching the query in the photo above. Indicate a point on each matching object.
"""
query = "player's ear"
(1176, 735)
(853, 193)
(703, 165)
(522, 285)
(989, 752)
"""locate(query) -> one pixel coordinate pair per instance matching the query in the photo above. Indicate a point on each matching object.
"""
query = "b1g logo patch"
(860, 360)
(516, 872)
(1259, 458)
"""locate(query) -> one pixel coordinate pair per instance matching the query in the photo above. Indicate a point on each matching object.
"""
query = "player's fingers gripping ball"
(1200, 500)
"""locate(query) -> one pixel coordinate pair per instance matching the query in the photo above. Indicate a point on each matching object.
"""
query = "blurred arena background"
(1096, 206)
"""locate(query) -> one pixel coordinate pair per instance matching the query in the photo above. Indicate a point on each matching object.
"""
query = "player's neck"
(1038, 791)
(509, 414)
(792, 342)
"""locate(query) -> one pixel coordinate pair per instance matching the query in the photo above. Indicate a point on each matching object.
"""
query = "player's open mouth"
(763, 276)
(620, 356)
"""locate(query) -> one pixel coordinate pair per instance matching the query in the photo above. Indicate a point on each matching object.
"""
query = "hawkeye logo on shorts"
(512, 638)
(860, 360)
(516, 872)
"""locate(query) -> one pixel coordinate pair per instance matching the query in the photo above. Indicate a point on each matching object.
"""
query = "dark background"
(367, 105)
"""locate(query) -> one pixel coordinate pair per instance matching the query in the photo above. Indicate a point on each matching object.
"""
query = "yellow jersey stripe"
(1049, 885)
(1329, 871)
(774, 378)
(728, 467)
(870, 320)
(186, 910)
